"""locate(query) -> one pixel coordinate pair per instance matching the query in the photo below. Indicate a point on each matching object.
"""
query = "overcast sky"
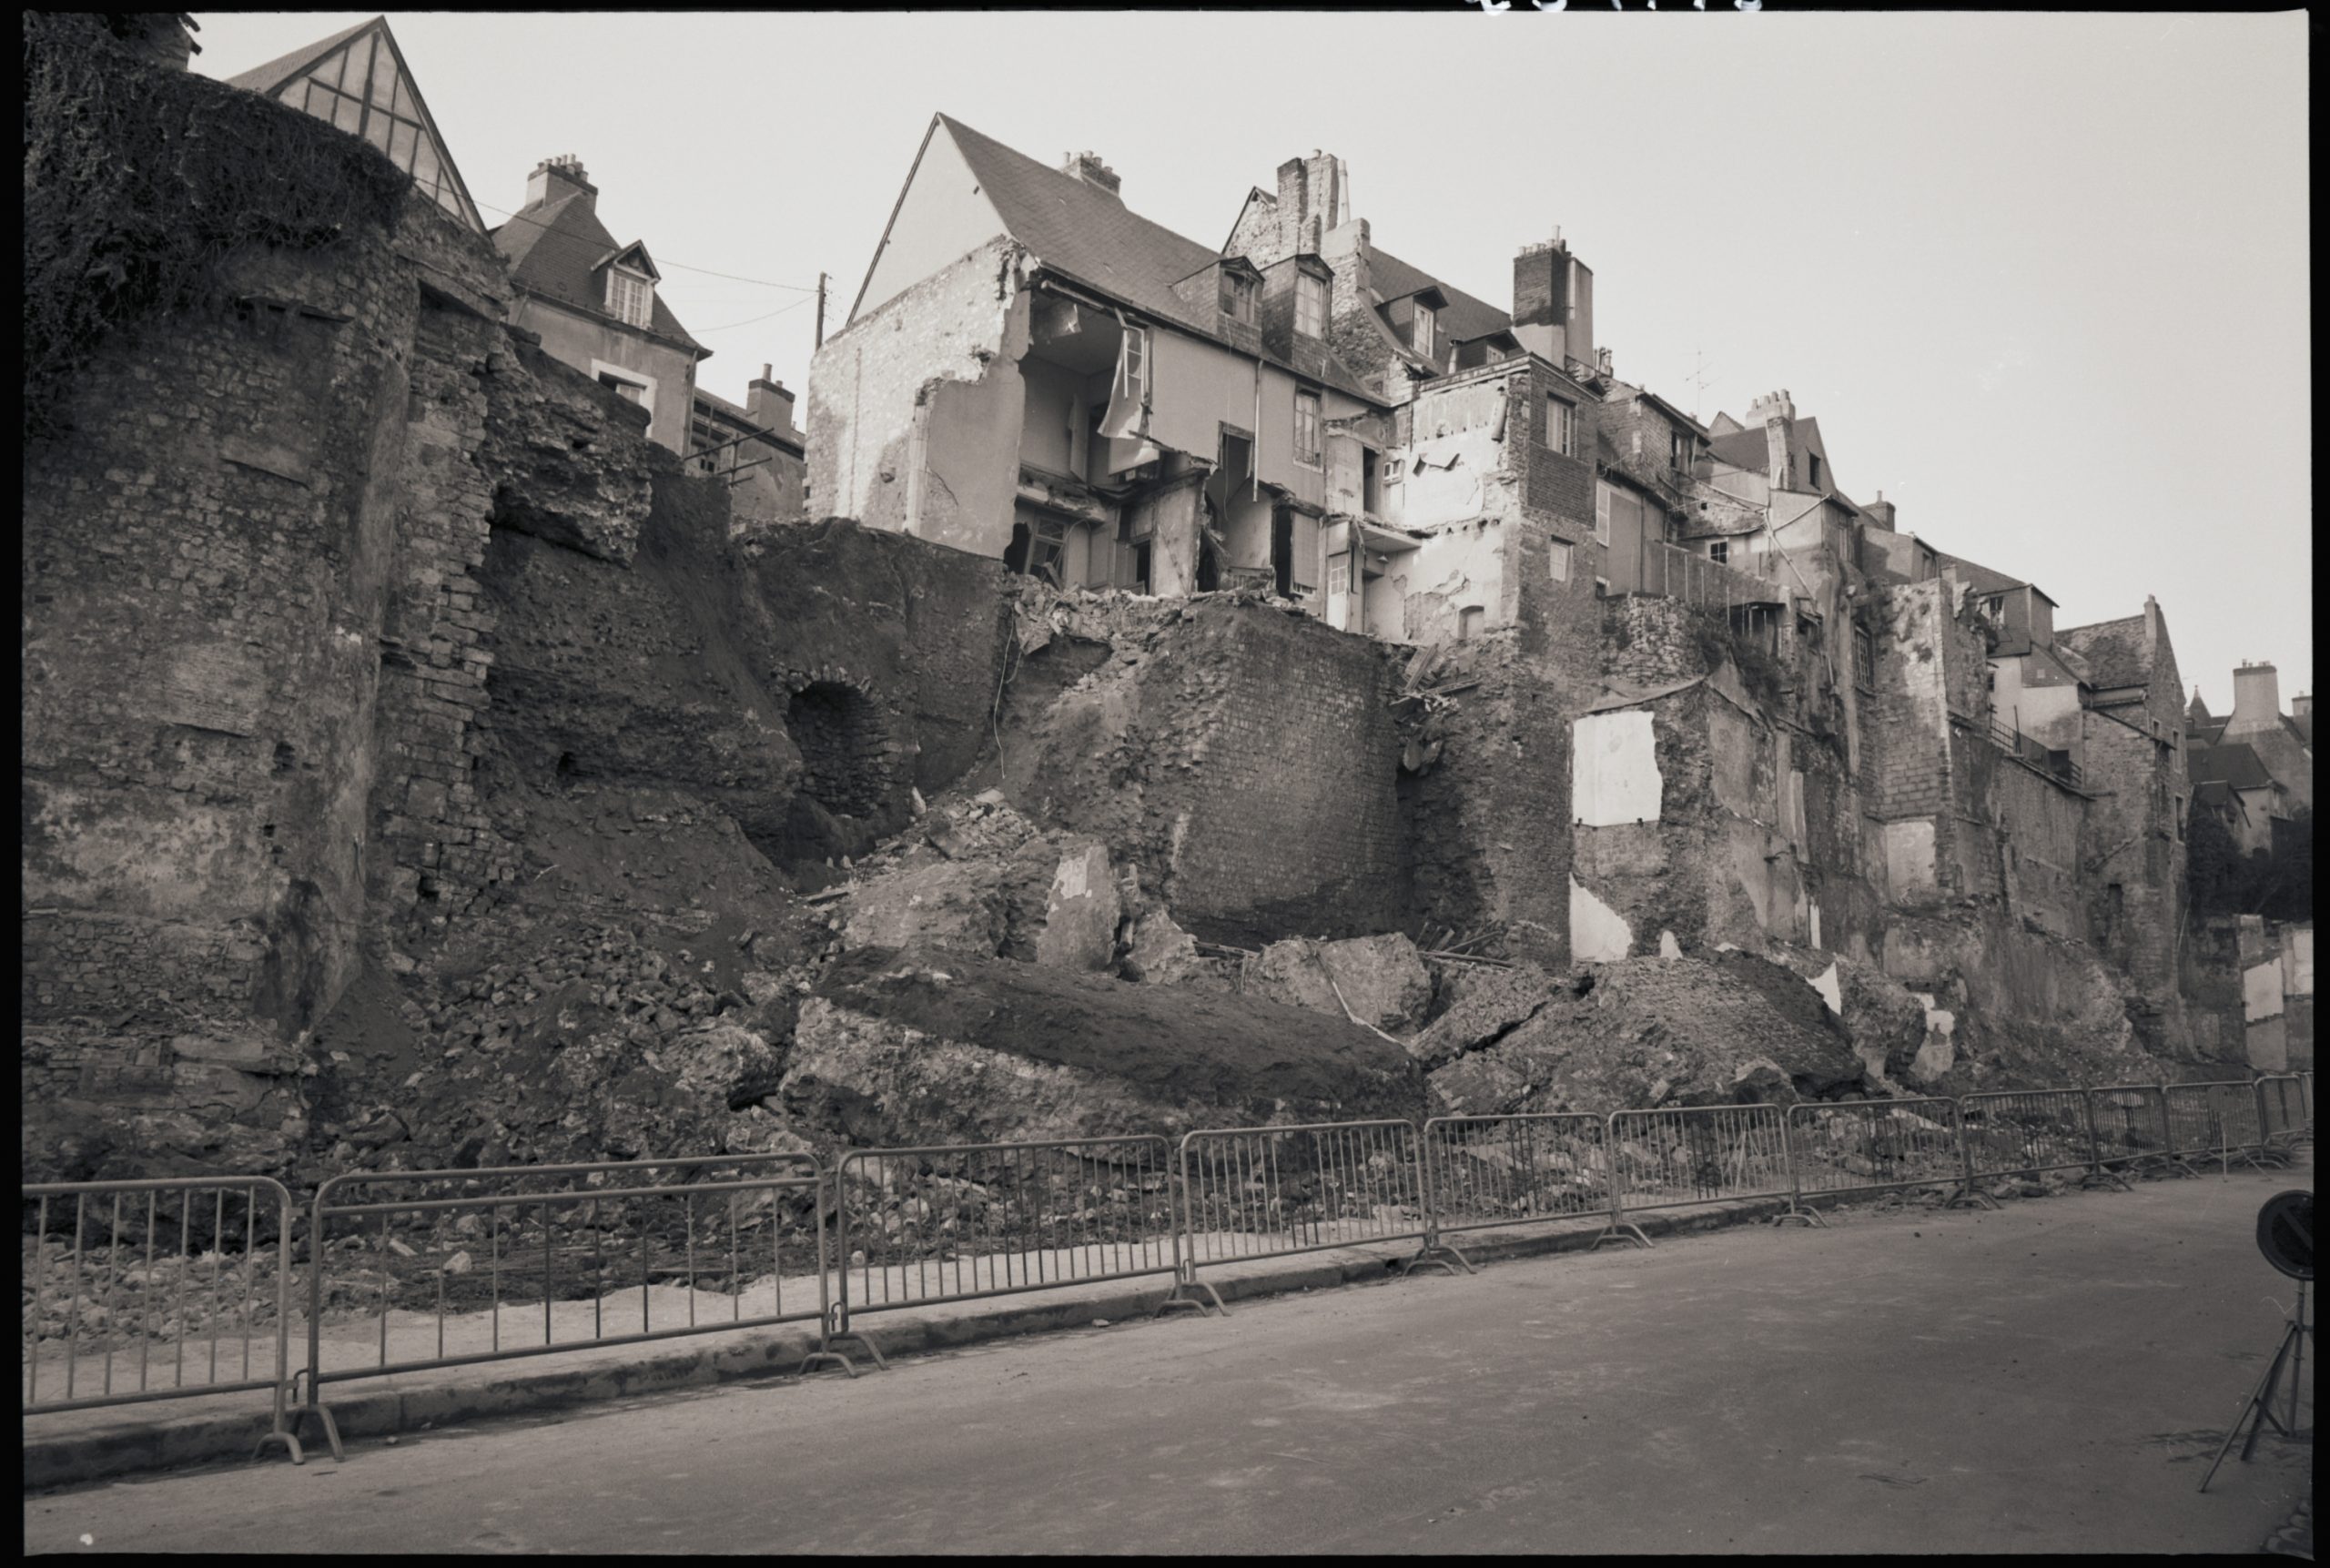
(2043, 279)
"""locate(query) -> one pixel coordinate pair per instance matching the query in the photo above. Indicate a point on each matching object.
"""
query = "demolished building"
(422, 765)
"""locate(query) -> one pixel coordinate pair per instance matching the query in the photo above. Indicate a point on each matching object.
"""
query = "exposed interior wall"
(915, 412)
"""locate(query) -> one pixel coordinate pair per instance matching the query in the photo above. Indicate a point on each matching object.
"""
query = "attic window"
(1420, 331)
(1311, 305)
(1238, 296)
(630, 296)
(1812, 468)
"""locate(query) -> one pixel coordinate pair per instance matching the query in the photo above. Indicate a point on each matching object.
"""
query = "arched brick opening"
(849, 781)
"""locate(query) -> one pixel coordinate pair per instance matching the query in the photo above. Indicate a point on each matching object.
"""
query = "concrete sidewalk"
(69, 1447)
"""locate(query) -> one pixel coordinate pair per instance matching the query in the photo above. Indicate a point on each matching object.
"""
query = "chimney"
(1540, 280)
(1776, 411)
(1087, 167)
(2256, 700)
(2302, 708)
(768, 405)
(1311, 201)
(1880, 513)
(555, 178)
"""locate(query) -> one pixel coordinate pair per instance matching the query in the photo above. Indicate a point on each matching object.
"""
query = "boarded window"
(1421, 333)
(1602, 513)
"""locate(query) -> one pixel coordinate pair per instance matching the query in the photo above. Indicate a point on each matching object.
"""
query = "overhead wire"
(681, 266)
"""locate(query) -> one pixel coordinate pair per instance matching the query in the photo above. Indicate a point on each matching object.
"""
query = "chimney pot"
(1088, 167)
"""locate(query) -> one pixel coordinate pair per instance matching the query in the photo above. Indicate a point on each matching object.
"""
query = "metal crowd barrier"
(2281, 1111)
(1482, 1171)
(2216, 1121)
(2021, 1132)
(1682, 1156)
(194, 1276)
(1254, 1192)
(1873, 1146)
(483, 1251)
(956, 1222)
(2131, 1123)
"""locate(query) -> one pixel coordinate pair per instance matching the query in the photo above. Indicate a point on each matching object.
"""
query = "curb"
(390, 1406)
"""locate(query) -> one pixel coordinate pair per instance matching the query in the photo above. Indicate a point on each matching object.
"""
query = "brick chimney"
(1553, 304)
(1312, 199)
(2302, 708)
(1880, 513)
(1776, 411)
(2256, 700)
(768, 405)
(1087, 167)
(555, 178)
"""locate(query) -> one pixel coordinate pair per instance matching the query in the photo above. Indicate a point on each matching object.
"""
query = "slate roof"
(555, 248)
(1462, 317)
(2113, 650)
(2206, 733)
(2236, 766)
(1985, 578)
(1085, 233)
(283, 67)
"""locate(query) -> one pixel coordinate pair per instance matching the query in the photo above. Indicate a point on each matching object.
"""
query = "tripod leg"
(2258, 1405)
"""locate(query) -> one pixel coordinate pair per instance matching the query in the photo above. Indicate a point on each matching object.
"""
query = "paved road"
(2051, 1378)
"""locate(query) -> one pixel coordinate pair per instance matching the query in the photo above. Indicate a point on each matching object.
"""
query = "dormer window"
(630, 296)
(1238, 291)
(1310, 305)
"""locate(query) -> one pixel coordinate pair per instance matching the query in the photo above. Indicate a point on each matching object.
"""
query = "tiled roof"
(1463, 317)
(1083, 232)
(2236, 766)
(1984, 580)
(554, 249)
(2113, 650)
(283, 67)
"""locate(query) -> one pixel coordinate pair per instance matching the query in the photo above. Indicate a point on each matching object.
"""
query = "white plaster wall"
(2297, 979)
(942, 217)
(1614, 769)
(1597, 932)
(2261, 990)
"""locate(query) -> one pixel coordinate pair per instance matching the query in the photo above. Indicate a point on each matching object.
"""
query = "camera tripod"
(2260, 1408)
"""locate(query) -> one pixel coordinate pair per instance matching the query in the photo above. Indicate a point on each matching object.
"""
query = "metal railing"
(2216, 1121)
(448, 1267)
(1873, 1146)
(1484, 1171)
(1682, 1156)
(208, 1271)
(1254, 1192)
(2281, 1110)
(2021, 1132)
(2130, 1125)
(460, 1267)
(957, 1222)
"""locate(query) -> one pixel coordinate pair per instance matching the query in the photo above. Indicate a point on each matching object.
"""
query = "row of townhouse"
(1034, 372)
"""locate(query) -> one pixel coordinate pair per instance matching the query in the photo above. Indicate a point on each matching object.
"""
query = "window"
(1678, 450)
(1136, 364)
(1812, 469)
(1865, 657)
(1237, 296)
(1561, 425)
(1601, 513)
(1557, 557)
(1310, 305)
(1720, 552)
(625, 383)
(1307, 428)
(630, 297)
(1420, 333)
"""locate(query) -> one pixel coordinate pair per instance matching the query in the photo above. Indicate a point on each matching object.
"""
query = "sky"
(2043, 279)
